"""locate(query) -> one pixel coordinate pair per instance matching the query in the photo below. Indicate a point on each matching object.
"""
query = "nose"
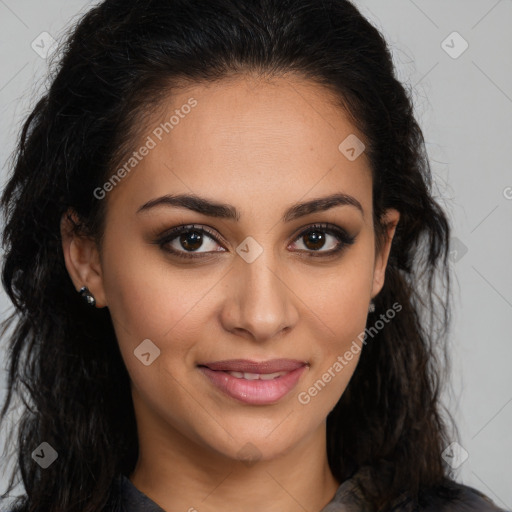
(260, 302)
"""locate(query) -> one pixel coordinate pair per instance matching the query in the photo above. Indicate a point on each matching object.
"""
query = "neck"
(180, 474)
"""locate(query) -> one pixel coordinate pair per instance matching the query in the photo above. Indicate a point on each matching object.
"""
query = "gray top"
(348, 498)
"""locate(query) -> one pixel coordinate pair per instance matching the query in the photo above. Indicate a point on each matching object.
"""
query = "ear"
(82, 258)
(390, 220)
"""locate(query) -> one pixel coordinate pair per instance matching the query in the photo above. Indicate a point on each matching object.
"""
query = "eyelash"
(331, 229)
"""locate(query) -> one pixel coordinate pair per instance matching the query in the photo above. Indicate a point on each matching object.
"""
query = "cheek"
(342, 296)
(151, 302)
(343, 309)
(340, 307)
(147, 294)
(151, 298)
(342, 304)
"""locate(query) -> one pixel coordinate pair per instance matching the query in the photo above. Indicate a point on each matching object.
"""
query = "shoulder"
(456, 497)
(449, 496)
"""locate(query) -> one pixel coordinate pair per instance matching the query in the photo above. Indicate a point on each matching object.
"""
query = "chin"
(252, 448)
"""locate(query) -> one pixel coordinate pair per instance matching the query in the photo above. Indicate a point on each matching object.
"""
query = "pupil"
(191, 240)
(316, 238)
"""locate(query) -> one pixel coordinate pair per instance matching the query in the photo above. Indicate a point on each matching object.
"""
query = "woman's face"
(261, 284)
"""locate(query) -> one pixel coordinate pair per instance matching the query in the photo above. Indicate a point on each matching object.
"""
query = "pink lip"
(255, 392)
(245, 365)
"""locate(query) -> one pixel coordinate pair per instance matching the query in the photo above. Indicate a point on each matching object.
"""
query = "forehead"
(246, 138)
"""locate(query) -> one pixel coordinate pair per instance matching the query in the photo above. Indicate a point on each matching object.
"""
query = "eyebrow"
(226, 211)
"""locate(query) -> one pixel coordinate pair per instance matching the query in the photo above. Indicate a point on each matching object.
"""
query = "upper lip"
(247, 366)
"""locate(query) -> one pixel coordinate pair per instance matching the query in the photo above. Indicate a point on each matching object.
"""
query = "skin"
(260, 146)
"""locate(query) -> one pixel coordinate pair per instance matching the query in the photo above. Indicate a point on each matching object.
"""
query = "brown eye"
(191, 240)
(323, 240)
(196, 242)
(314, 240)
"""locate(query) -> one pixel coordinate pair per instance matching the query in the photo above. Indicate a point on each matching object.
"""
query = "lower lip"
(255, 392)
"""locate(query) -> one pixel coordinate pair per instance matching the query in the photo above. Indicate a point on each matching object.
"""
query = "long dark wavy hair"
(63, 357)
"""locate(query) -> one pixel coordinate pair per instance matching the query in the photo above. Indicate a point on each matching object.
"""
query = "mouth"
(255, 383)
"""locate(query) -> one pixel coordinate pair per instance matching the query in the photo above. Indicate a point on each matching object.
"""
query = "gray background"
(464, 106)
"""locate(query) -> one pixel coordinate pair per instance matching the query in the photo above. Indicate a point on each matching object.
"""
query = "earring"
(371, 307)
(87, 295)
